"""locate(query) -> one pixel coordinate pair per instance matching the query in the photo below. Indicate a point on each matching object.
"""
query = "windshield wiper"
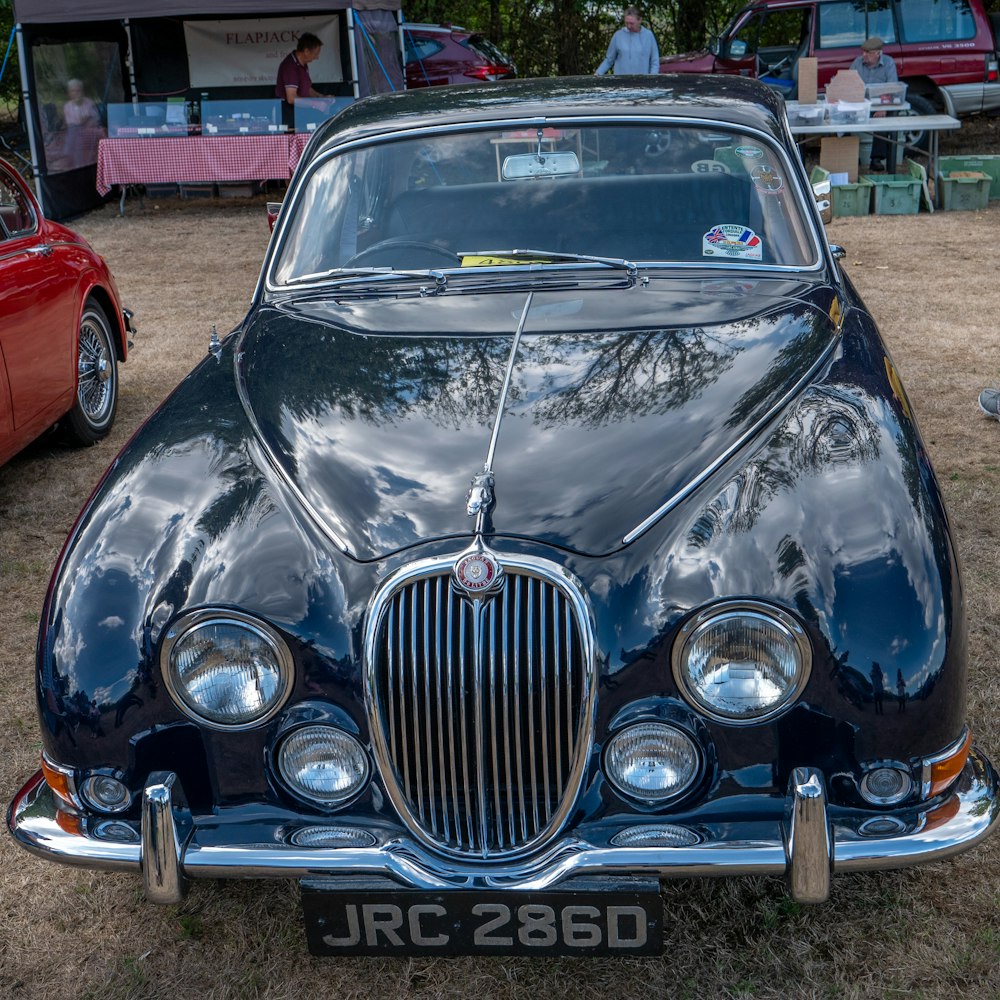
(631, 268)
(364, 275)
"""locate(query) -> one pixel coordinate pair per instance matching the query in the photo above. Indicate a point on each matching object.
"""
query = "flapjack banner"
(247, 52)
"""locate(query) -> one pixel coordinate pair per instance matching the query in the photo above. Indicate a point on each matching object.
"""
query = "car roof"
(725, 99)
(439, 29)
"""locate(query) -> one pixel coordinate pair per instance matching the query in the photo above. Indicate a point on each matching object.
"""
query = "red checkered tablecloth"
(296, 145)
(194, 159)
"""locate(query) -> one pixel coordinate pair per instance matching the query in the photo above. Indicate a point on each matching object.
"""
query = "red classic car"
(63, 329)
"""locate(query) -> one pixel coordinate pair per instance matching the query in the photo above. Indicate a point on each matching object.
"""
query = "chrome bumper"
(169, 848)
(128, 320)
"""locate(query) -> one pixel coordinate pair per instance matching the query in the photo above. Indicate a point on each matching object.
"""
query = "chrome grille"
(480, 709)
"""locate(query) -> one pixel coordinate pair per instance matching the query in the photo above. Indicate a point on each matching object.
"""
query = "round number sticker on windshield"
(766, 179)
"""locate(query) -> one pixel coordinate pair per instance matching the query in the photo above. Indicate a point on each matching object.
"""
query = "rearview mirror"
(521, 165)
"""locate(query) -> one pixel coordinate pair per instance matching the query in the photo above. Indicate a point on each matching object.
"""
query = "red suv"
(444, 53)
(945, 50)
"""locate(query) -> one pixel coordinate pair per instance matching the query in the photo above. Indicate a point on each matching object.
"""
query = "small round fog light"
(651, 761)
(885, 786)
(106, 794)
(323, 764)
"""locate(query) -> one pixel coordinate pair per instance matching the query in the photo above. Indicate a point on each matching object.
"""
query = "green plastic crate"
(846, 199)
(895, 194)
(988, 164)
(852, 199)
(968, 194)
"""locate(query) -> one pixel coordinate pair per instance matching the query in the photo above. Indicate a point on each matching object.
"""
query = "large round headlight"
(323, 764)
(226, 669)
(742, 663)
(651, 761)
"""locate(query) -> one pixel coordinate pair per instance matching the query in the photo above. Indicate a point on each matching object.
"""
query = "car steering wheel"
(657, 143)
(416, 253)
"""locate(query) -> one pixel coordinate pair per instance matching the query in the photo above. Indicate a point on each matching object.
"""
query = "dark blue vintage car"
(554, 523)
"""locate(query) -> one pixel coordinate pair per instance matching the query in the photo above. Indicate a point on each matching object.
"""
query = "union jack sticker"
(731, 241)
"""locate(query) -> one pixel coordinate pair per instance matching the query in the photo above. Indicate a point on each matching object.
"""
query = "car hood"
(378, 412)
(697, 61)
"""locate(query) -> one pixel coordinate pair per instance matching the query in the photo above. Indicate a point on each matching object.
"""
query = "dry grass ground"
(923, 933)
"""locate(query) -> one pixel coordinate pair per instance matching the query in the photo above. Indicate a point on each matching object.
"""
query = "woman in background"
(83, 127)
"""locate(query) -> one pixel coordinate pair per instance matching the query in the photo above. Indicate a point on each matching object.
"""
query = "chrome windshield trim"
(265, 282)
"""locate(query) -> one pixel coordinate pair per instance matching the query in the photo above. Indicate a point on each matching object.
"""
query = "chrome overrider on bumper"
(809, 845)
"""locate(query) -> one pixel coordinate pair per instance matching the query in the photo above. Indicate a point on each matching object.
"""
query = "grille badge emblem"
(478, 572)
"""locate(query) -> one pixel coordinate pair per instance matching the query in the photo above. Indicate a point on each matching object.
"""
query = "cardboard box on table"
(808, 74)
(839, 153)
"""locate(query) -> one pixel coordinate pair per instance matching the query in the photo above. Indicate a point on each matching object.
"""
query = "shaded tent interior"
(153, 30)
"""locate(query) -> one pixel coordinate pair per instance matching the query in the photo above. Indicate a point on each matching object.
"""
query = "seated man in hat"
(874, 66)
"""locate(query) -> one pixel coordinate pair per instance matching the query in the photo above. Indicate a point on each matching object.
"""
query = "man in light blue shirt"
(873, 66)
(633, 49)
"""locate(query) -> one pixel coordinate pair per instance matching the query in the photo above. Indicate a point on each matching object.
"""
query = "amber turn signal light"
(61, 782)
(944, 771)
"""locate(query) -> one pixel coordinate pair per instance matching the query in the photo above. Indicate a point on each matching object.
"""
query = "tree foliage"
(543, 37)
(568, 37)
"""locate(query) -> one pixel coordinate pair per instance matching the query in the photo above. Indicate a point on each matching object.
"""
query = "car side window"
(15, 211)
(847, 25)
(936, 20)
(421, 48)
(784, 36)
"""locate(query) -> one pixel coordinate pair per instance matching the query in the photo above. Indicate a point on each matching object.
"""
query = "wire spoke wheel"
(97, 379)
(93, 387)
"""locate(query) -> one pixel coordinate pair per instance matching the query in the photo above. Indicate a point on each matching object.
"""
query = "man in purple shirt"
(293, 74)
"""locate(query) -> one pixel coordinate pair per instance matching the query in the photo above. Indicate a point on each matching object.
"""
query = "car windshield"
(665, 194)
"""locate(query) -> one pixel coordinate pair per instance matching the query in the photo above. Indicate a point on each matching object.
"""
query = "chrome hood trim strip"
(793, 393)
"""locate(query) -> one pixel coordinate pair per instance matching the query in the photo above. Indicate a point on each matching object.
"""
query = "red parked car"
(945, 50)
(445, 53)
(63, 329)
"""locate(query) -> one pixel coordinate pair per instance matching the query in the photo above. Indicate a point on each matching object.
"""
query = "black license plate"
(615, 917)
